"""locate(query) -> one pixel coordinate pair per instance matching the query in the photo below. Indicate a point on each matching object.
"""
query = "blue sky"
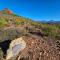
(34, 9)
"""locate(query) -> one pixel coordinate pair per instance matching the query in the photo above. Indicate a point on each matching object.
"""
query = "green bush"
(2, 22)
(1, 54)
(51, 30)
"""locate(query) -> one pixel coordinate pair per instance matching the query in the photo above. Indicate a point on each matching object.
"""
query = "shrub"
(2, 22)
(51, 30)
(1, 54)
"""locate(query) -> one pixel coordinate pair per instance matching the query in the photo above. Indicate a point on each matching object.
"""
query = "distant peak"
(6, 10)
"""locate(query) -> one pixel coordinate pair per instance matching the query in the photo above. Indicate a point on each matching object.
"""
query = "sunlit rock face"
(16, 46)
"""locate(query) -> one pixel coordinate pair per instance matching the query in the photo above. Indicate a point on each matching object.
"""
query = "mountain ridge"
(42, 39)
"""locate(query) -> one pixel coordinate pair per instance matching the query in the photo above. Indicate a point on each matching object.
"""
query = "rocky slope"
(35, 48)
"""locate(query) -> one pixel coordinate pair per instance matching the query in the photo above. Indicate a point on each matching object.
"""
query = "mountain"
(53, 22)
(50, 22)
(6, 11)
(22, 38)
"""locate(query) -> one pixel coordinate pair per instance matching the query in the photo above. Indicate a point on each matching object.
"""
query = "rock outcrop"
(16, 46)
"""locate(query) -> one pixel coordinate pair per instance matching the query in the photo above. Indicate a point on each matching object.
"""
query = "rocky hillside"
(24, 39)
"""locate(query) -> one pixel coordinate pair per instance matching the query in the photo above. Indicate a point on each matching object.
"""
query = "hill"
(41, 38)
